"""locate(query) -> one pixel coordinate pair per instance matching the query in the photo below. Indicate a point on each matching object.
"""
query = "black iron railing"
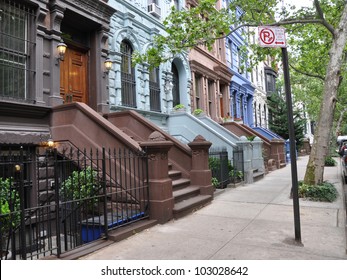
(59, 201)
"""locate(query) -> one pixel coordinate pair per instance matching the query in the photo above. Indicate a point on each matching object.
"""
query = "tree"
(326, 20)
(279, 118)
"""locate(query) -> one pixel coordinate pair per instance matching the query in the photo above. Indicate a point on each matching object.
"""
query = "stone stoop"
(187, 197)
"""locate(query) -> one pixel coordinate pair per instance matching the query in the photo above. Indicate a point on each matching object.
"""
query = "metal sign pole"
(294, 191)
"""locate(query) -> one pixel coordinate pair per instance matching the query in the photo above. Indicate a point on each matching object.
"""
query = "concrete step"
(83, 250)
(257, 175)
(190, 205)
(114, 236)
(129, 230)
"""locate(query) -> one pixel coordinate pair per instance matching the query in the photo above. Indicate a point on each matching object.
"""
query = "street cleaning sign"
(272, 36)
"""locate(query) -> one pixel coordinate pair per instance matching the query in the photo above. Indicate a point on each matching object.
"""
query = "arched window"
(127, 76)
(154, 90)
(176, 85)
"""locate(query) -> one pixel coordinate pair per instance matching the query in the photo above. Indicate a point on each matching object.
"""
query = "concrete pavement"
(250, 222)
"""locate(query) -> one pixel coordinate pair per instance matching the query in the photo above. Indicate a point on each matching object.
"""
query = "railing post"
(161, 199)
(57, 202)
(22, 208)
(104, 191)
(200, 174)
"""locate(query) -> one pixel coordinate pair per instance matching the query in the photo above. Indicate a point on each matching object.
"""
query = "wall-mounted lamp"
(61, 47)
(108, 66)
(50, 143)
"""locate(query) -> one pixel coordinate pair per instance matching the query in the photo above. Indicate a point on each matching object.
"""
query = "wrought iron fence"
(53, 202)
(223, 170)
(238, 172)
(219, 165)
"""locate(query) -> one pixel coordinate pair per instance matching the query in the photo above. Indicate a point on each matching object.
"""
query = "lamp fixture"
(108, 66)
(61, 47)
(50, 143)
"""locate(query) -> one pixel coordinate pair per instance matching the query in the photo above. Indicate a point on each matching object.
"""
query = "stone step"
(180, 183)
(186, 193)
(175, 174)
(190, 205)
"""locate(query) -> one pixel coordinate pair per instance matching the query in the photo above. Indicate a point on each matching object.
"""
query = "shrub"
(215, 182)
(81, 185)
(329, 161)
(10, 207)
(322, 192)
(213, 163)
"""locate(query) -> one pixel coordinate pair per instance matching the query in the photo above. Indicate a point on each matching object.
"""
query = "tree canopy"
(316, 44)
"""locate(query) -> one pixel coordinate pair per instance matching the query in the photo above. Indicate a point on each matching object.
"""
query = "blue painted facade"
(241, 88)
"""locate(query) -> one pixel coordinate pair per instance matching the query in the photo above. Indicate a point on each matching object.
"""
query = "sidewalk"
(250, 222)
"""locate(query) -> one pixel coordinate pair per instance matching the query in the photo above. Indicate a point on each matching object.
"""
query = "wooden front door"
(73, 76)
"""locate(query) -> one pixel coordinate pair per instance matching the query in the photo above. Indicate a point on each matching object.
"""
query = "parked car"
(344, 164)
(342, 146)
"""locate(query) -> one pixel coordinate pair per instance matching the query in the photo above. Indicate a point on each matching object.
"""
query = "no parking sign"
(272, 36)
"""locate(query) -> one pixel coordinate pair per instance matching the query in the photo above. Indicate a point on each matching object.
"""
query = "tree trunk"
(315, 168)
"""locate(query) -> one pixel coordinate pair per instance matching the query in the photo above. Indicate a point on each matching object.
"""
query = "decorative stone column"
(161, 201)
(201, 175)
(247, 158)
(258, 160)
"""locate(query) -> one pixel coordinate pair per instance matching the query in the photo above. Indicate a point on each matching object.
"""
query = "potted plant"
(179, 108)
(80, 193)
(9, 215)
(198, 112)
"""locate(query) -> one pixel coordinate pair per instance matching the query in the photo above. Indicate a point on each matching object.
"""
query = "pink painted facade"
(210, 78)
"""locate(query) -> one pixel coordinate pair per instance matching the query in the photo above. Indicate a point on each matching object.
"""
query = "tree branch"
(321, 16)
(306, 73)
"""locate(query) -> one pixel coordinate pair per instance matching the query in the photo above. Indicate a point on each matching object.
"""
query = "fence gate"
(219, 165)
(53, 202)
(238, 165)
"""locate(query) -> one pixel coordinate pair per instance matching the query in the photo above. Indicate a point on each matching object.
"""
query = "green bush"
(329, 161)
(215, 182)
(10, 206)
(213, 163)
(81, 185)
(322, 192)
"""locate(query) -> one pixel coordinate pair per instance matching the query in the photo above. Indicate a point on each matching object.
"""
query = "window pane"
(15, 75)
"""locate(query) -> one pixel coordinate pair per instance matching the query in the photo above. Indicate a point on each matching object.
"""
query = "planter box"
(93, 228)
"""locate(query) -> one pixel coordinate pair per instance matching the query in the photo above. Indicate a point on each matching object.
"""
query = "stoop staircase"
(129, 130)
(186, 196)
